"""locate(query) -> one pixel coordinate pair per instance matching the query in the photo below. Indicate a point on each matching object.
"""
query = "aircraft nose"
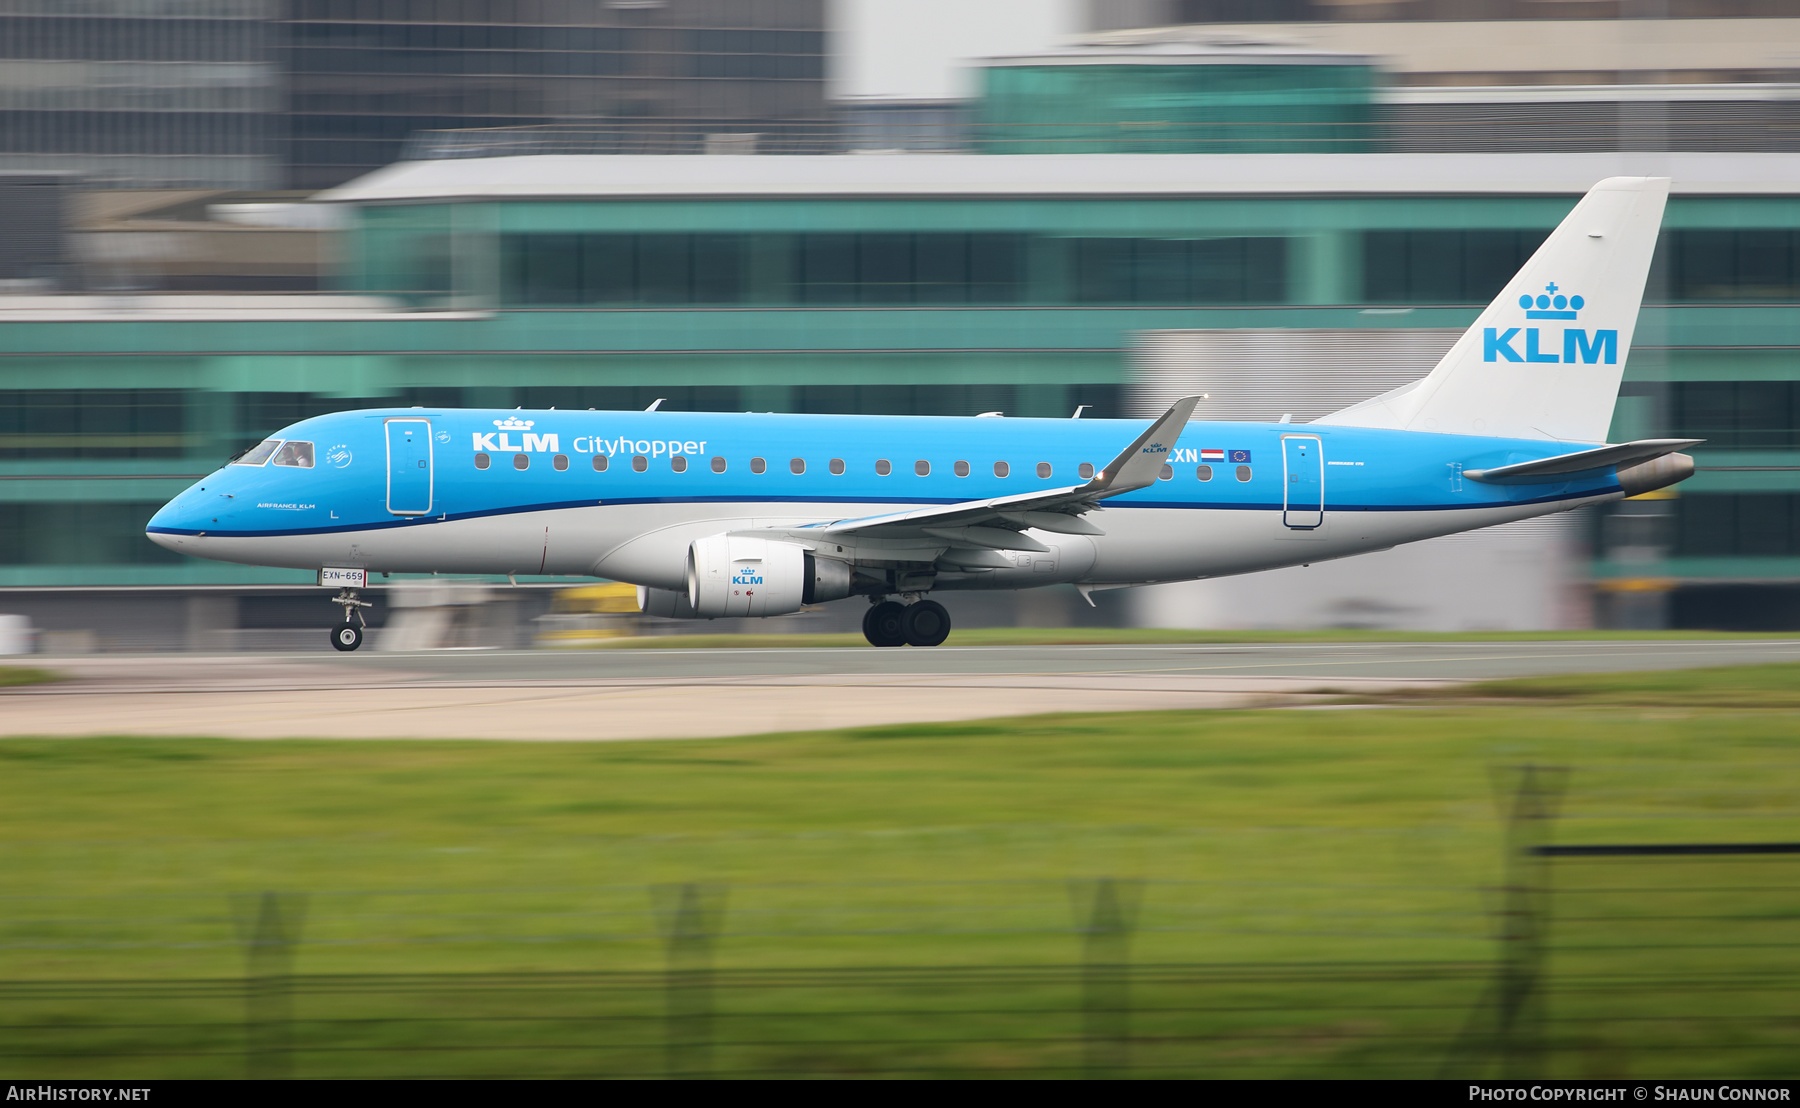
(174, 525)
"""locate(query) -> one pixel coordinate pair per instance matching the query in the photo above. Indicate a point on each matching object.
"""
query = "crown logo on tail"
(1551, 304)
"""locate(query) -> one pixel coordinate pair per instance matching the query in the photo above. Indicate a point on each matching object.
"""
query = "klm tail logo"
(1497, 345)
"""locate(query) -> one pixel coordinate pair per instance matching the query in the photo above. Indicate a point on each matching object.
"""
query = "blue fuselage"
(424, 490)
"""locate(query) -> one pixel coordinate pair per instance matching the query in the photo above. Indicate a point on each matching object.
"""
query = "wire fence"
(1589, 956)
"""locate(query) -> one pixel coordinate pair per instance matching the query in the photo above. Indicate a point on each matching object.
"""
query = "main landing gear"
(920, 623)
(347, 635)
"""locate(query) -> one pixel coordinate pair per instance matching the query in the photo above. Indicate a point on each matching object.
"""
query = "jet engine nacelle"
(742, 575)
(666, 603)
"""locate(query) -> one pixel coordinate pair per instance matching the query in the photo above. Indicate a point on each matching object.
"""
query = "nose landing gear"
(348, 635)
(920, 623)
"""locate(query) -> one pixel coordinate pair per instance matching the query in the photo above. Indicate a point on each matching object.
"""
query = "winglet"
(1140, 464)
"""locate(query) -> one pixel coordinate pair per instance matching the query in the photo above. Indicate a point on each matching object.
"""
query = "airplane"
(759, 514)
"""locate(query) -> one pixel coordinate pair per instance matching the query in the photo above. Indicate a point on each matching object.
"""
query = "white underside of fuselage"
(647, 544)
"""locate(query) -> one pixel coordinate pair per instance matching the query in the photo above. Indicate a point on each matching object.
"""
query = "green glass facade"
(902, 304)
(1195, 108)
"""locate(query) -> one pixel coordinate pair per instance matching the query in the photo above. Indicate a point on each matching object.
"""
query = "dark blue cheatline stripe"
(1162, 505)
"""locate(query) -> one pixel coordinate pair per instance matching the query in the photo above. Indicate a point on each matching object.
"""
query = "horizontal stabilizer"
(1564, 466)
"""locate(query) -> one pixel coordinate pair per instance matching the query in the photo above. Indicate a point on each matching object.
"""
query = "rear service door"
(1303, 473)
(409, 466)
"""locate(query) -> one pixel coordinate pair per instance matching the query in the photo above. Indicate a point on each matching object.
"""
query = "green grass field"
(1310, 893)
(25, 675)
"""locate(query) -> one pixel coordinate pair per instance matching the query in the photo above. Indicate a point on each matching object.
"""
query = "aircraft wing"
(1564, 466)
(996, 523)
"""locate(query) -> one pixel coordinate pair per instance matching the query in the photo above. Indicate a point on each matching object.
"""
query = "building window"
(1737, 415)
(1001, 469)
(1204, 473)
(1744, 525)
(639, 463)
(1180, 271)
(922, 468)
(1443, 267)
(482, 461)
(883, 467)
(110, 423)
(718, 465)
(1737, 264)
(521, 461)
(757, 465)
(1243, 473)
(599, 463)
(560, 462)
(678, 463)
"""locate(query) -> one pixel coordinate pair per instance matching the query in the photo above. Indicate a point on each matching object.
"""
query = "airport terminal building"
(941, 284)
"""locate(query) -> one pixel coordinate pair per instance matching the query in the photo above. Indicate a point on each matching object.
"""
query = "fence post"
(269, 926)
(1525, 921)
(689, 916)
(1106, 911)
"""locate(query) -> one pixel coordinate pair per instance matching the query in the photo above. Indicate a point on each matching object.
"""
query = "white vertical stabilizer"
(1545, 358)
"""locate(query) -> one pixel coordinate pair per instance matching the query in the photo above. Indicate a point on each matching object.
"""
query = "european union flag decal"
(1240, 457)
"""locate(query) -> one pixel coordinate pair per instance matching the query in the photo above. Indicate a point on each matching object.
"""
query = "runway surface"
(677, 693)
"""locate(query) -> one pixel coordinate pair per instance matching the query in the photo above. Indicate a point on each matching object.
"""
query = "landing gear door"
(409, 486)
(1303, 480)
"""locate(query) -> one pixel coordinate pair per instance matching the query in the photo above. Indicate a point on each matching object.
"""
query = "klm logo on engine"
(746, 576)
(500, 439)
(1577, 346)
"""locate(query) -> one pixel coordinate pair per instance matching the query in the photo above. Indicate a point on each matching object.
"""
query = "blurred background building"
(218, 216)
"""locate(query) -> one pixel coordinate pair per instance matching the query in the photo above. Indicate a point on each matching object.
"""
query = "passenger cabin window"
(1001, 469)
(560, 462)
(883, 467)
(961, 468)
(1043, 469)
(521, 461)
(922, 468)
(257, 454)
(295, 453)
(757, 465)
(1167, 472)
(599, 463)
(1204, 473)
(639, 463)
(718, 465)
(837, 467)
(1243, 473)
(797, 465)
(678, 463)
(482, 461)
(1086, 469)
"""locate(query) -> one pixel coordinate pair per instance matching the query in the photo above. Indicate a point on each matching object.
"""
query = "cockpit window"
(258, 454)
(295, 453)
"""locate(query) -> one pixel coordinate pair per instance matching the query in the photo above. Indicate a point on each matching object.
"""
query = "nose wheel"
(922, 623)
(348, 635)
